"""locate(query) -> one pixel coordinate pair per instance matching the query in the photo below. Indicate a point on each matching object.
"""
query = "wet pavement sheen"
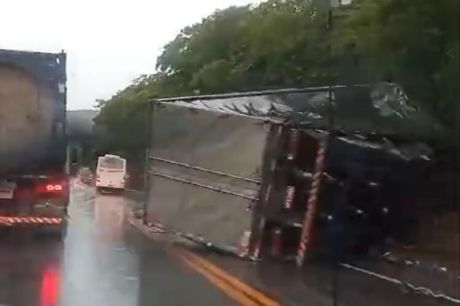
(102, 261)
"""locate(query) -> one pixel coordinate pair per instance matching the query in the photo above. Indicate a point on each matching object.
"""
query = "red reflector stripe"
(28, 220)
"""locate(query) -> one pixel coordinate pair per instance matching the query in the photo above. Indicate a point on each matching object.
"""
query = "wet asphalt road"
(102, 261)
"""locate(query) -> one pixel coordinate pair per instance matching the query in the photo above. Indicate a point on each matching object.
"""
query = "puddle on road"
(98, 267)
(93, 266)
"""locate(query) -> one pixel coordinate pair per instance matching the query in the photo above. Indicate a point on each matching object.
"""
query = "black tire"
(5, 232)
(119, 192)
(62, 230)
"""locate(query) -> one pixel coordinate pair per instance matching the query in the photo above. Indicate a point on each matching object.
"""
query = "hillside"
(80, 122)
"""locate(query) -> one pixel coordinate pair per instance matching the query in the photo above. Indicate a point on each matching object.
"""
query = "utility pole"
(148, 147)
(336, 256)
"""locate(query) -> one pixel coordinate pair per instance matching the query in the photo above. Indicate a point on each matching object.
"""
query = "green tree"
(285, 43)
(120, 127)
(276, 44)
(414, 43)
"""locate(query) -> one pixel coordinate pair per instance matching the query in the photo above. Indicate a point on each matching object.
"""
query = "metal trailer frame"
(324, 136)
(257, 93)
(49, 70)
(258, 223)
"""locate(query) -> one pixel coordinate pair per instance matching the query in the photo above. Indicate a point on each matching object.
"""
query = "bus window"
(112, 163)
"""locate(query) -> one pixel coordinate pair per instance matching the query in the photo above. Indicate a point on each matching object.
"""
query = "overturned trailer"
(285, 172)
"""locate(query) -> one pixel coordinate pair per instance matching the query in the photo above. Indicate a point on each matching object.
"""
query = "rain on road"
(101, 261)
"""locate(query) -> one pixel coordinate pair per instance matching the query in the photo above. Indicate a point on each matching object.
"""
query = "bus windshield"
(111, 163)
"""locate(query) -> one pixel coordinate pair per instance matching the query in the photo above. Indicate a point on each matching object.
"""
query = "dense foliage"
(288, 43)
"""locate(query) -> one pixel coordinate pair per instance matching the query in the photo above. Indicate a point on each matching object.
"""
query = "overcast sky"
(108, 42)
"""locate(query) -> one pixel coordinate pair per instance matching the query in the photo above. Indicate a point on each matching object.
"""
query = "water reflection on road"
(98, 267)
(92, 266)
(101, 262)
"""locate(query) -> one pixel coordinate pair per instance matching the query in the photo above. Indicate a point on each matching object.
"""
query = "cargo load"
(33, 140)
(241, 168)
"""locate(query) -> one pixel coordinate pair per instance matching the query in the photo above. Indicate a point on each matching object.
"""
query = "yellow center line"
(233, 287)
(249, 291)
(233, 293)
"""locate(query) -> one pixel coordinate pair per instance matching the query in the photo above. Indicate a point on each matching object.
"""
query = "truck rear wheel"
(61, 232)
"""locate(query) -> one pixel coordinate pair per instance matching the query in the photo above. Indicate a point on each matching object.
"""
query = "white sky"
(108, 42)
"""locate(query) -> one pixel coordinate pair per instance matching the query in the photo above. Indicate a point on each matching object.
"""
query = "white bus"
(110, 173)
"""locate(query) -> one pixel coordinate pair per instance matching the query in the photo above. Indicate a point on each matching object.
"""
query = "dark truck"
(254, 171)
(34, 181)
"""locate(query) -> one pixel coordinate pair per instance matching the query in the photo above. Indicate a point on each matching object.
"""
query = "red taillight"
(53, 187)
(50, 187)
